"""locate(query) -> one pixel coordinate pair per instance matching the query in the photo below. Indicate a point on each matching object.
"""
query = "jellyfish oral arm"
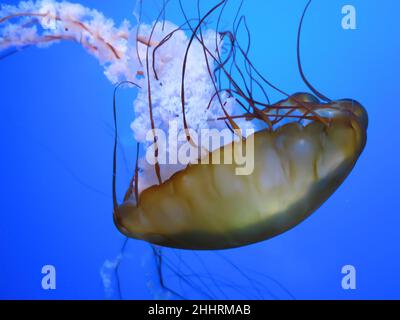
(43, 23)
(122, 51)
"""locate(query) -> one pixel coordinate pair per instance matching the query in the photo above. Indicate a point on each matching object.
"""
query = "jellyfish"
(298, 165)
(193, 77)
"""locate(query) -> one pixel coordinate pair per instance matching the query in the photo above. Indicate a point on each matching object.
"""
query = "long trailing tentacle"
(157, 165)
(114, 168)
(157, 252)
(309, 85)
(259, 114)
(232, 123)
(185, 59)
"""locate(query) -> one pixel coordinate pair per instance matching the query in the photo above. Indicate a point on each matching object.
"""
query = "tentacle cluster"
(218, 81)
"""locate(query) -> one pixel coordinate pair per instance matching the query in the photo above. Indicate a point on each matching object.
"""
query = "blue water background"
(56, 157)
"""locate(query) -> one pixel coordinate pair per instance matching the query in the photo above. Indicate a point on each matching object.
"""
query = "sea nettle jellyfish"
(202, 78)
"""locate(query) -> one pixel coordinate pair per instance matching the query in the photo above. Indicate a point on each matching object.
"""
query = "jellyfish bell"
(297, 168)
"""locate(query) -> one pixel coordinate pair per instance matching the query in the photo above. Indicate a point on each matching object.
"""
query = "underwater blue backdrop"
(56, 138)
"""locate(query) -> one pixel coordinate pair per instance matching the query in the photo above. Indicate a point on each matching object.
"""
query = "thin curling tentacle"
(114, 176)
(157, 165)
(192, 38)
(315, 91)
